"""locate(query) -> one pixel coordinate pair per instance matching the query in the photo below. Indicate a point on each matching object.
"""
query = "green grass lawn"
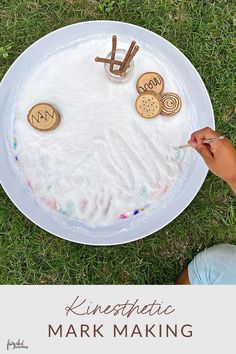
(205, 32)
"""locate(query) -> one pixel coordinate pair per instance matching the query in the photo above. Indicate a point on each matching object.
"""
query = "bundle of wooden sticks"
(122, 65)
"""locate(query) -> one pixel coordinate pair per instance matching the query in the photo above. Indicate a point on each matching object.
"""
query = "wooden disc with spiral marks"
(171, 104)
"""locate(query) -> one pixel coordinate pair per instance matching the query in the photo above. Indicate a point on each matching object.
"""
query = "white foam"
(104, 159)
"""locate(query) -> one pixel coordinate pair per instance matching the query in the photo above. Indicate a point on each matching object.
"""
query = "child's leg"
(213, 266)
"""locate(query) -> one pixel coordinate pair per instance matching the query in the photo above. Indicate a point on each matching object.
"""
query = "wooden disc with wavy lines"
(148, 104)
(150, 81)
(171, 104)
(44, 117)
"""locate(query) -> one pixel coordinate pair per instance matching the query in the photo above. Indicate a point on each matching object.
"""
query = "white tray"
(123, 231)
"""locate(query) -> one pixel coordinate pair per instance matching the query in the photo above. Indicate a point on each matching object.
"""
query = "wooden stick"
(128, 54)
(108, 61)
(128, 61)
(119, 72)
(113, 51)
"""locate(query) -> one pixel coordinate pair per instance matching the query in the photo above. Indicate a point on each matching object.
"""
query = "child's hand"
(219, 155)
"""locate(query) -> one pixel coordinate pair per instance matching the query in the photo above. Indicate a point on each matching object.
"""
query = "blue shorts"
(214, 266)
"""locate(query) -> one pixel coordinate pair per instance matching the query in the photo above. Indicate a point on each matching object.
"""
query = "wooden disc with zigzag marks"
(44, 117)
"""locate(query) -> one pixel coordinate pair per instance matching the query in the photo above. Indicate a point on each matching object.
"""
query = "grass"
(205, 32)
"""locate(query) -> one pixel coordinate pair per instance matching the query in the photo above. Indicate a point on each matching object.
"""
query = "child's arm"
(219, 155)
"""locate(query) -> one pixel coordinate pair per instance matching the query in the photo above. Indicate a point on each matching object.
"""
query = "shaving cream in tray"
(103, 162)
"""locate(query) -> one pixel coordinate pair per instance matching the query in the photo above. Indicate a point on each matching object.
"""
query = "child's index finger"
(200, 135)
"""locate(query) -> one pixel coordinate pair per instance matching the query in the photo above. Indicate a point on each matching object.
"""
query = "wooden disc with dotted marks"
(171, 104)
(44, 117)
(148, 104)
(150, 81)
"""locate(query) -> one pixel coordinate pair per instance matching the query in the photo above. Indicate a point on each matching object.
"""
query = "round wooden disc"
(43, 116)
(148, 104)
(171, 104)
(150, 81)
